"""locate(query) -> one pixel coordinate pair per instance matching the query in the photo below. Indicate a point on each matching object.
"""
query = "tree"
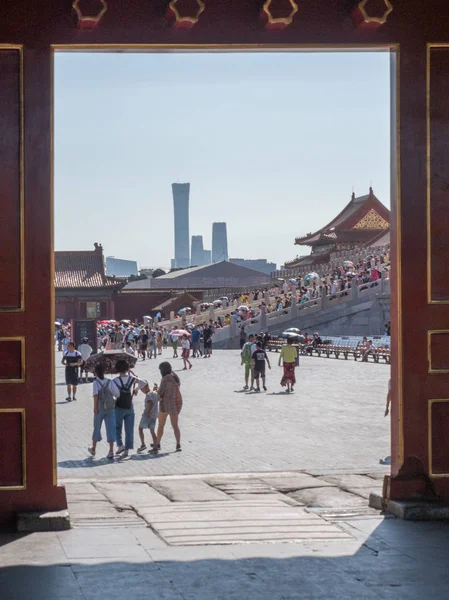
(158, 273)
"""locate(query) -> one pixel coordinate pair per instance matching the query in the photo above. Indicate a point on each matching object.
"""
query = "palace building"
(365, 221)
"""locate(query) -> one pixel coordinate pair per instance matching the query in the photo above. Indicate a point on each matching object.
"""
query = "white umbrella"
(312, 275)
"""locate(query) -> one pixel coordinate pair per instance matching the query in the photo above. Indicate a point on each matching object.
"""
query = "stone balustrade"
(280, 318)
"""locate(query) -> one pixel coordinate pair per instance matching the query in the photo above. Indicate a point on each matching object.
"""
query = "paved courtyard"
(333, 422)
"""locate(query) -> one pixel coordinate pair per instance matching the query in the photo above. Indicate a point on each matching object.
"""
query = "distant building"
(258, 264)
(118, 267)
(207, 257)
(197, 251)
(217, 275)
(82, 288)
(146, 272)
(219, 242)
(364, 222)
(181, 193)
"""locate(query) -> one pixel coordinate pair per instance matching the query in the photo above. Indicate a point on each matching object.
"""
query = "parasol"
(243, 307)
(293, 330)
(179, 332)
(224, 298)
(294, 281)
(108, 359)
(348, 264)
(312, 275)
(289, 334)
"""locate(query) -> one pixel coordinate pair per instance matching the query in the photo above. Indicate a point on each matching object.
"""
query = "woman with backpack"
(124, 387)
(104, 410)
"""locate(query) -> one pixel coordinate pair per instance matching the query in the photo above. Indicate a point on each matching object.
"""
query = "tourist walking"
(124, 387)
(207, 337)
(143, 343)
(85, 350)
(174, 341)
(288, 355)
(159, 342)
(153, 345)
(104, 410)
(246, 357)
(242, 336)
(196, 334)
(149, 418)
(170, 405)
(258, 359)
(185, 344)
(72, 360)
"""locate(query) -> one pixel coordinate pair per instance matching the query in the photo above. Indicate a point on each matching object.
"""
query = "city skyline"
(126, 125)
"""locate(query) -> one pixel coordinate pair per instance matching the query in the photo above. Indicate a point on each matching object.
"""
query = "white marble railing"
(279, 318)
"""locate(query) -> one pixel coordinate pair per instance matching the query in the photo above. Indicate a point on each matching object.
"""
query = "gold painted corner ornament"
(180, 21)
(89, 21)
(366, 16)
(277, 22)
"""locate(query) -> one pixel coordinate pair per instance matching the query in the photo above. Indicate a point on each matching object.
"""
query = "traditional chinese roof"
(362, 219)
(82, 269)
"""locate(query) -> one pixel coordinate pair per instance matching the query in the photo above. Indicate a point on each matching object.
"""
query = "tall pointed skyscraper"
(181, 193)
(219, 242)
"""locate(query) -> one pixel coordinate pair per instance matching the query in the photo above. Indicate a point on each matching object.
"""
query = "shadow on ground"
(405, 561)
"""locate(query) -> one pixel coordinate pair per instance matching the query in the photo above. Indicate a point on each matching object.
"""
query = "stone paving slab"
(301, 481)
(349, 481)
(185, 490)
(409, 562)
(319, 429)
(237, 522)
(328, 497)
(126, 495)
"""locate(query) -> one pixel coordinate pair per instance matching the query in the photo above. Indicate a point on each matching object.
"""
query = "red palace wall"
(418, 35)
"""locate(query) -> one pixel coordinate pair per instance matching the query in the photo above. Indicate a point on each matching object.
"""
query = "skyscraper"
(207, 257)
(219, 242)
(181, 192)
(197, 252)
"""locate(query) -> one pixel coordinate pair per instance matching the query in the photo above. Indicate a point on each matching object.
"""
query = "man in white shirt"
(85, 350)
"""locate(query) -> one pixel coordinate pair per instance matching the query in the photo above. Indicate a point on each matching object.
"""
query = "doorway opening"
(286, 148)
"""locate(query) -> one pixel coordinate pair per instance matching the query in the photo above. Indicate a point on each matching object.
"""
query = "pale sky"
(271, 143)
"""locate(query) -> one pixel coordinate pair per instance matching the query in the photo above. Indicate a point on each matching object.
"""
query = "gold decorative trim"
(281, 22)
(429, 350)
(372, 220)
(12, 488)
(428, 204)
(20, 339)
(430, 437)
(89, 21)
(368, 18)
(158, 48)
(186, 22)
(20, 308)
